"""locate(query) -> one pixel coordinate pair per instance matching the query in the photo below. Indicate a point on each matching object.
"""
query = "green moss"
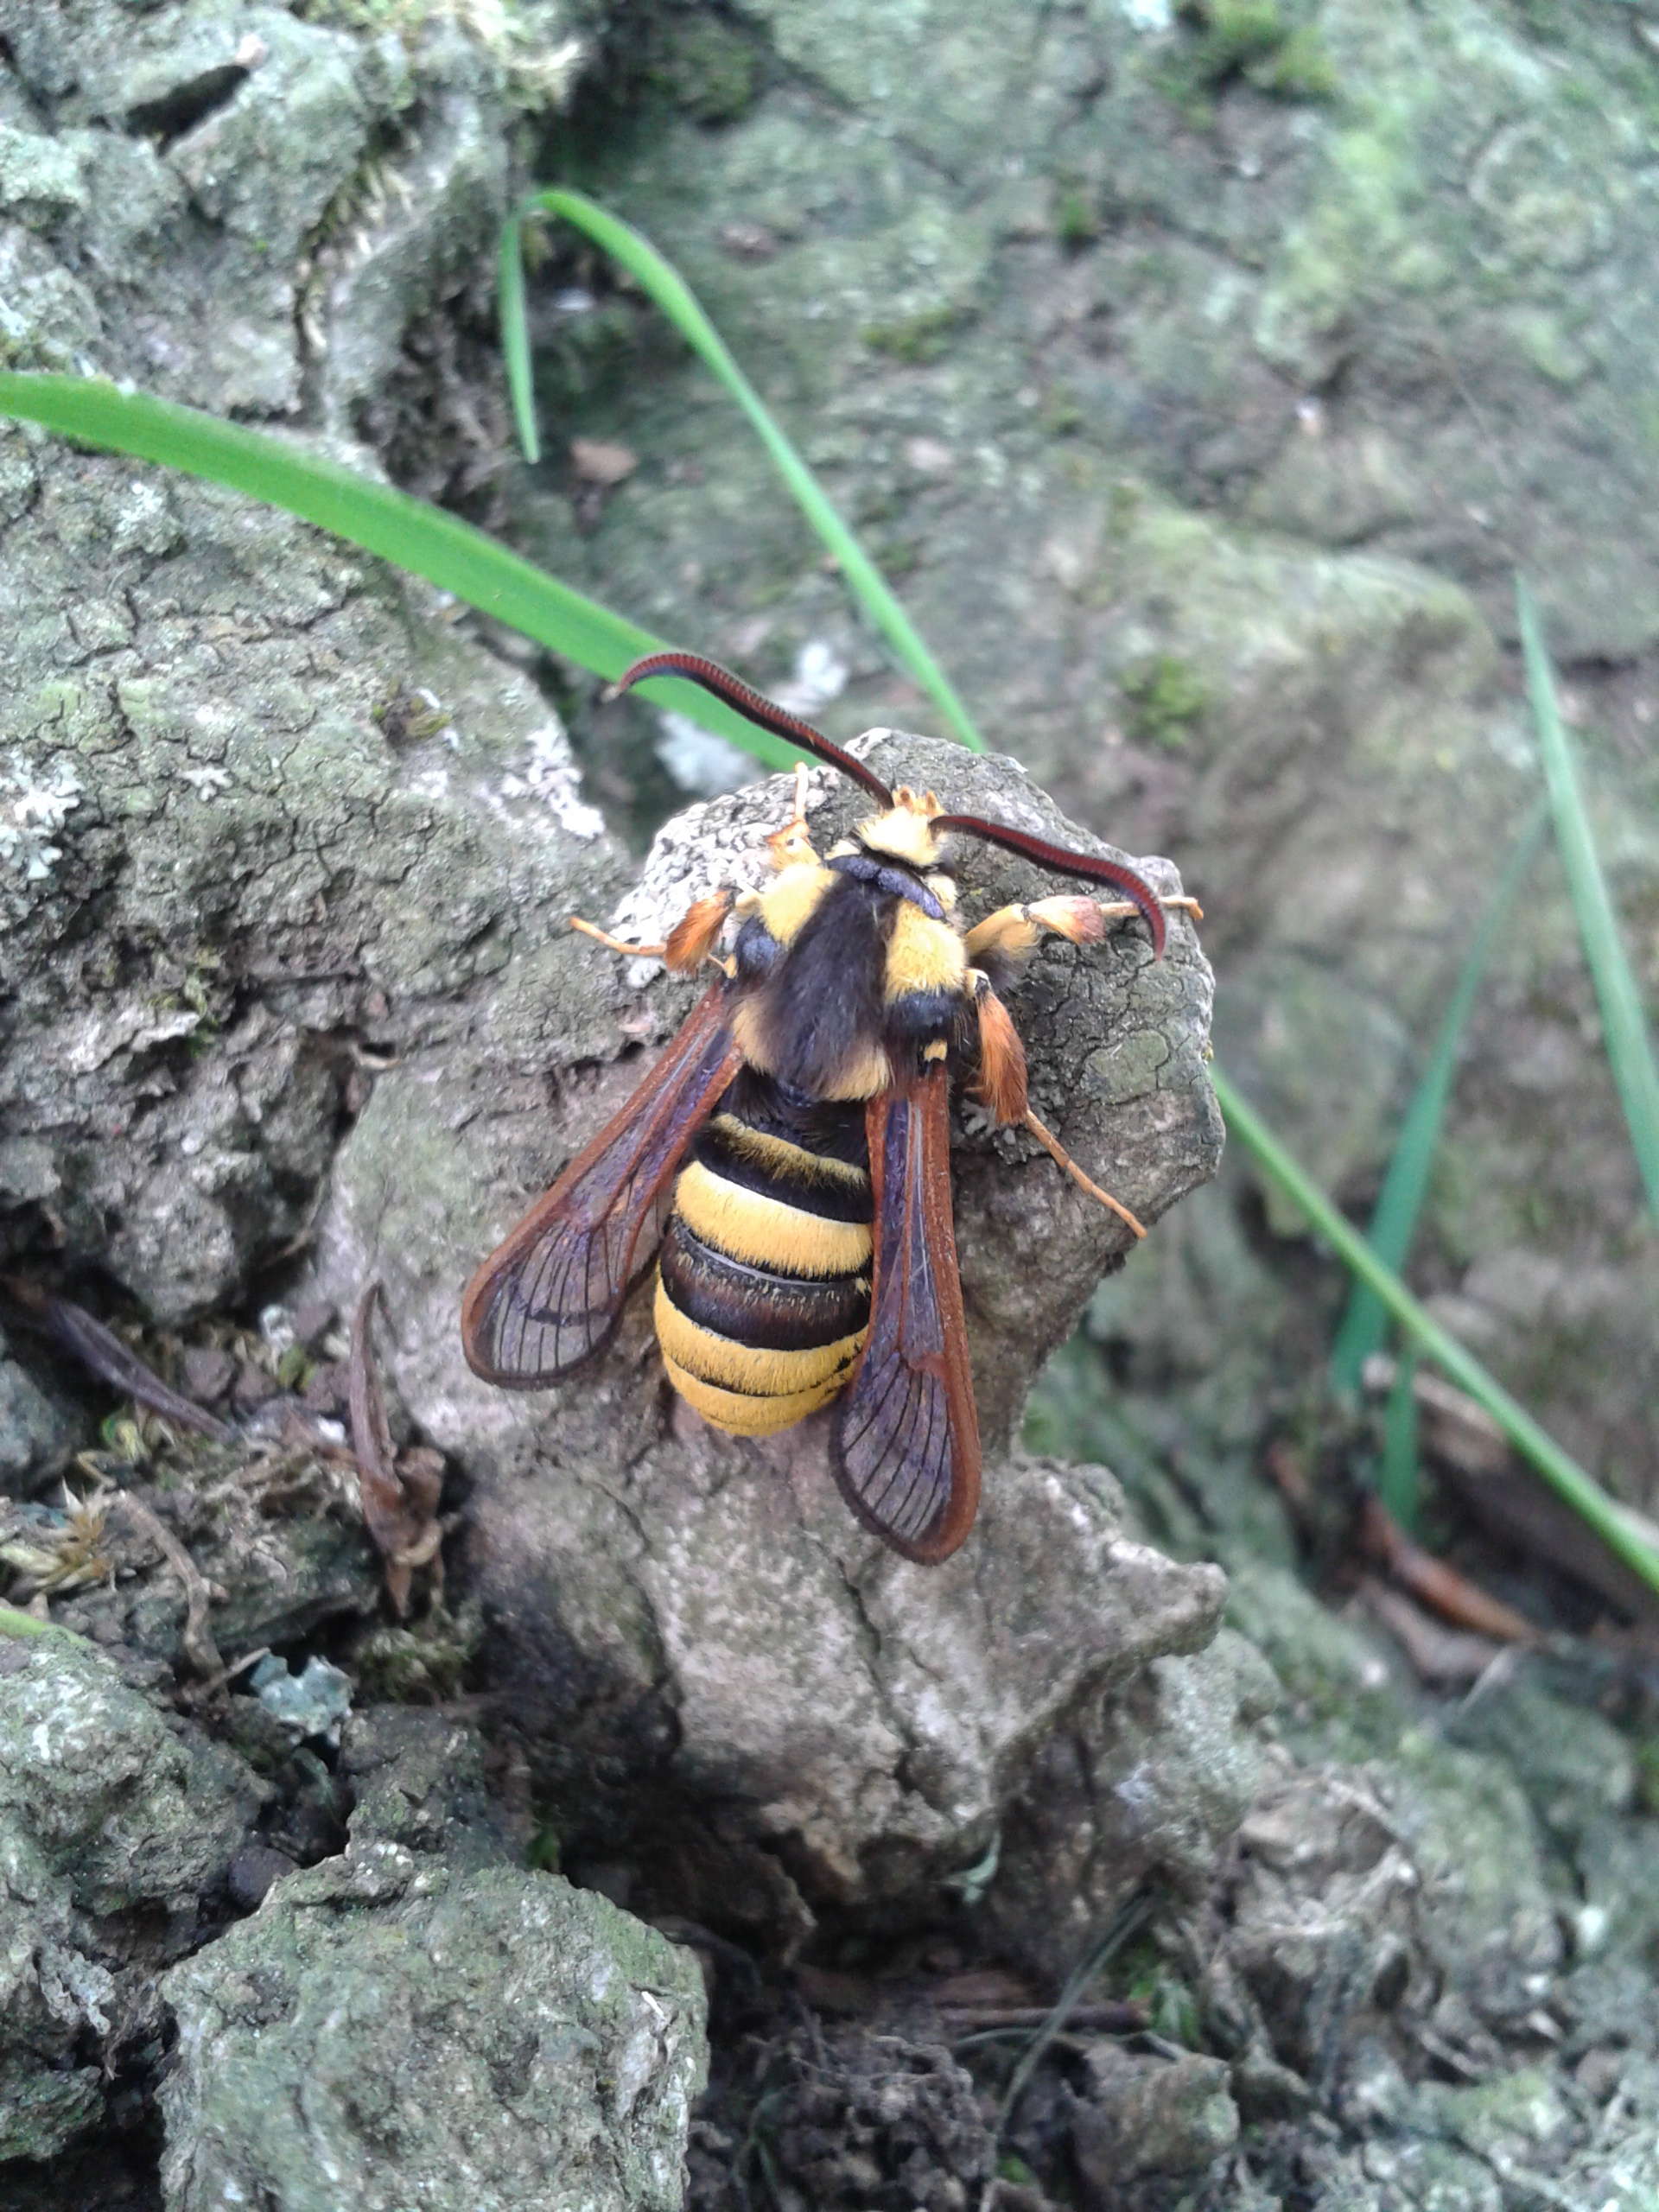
(1060, 415)
(1548, 348)
(1123, 508)
(16, 1622)
(1166, 697)
(1545, 19)
(1352, 239)
(587, 356)
(1236, 32)
(1144, 1978)
(706, 67)
(1301, 69)
(1077, 219)
(916, 339)
(296, 1367)
(900, 556)
(1251, 39)
(425, 1660)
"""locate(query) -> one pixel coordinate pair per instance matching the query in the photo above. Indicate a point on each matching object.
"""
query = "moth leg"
(792, 843)
(1117, 910)
(616, 944)
(1058, 1153)
(1013, 933)
(688, 944)
(1001, 1082)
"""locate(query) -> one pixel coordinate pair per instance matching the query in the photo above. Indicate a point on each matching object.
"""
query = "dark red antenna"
(754, 708)
(766, 715)
(1134, 887)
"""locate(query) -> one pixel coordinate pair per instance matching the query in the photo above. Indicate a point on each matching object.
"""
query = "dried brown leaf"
(597, 462)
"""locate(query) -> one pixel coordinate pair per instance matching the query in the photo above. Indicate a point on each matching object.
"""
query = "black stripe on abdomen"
(830, 1189)
(762, 1307)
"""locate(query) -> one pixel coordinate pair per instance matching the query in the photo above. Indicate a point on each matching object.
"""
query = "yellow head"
(904, 832)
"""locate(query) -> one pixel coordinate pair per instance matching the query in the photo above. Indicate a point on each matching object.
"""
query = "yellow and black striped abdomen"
(763, 1290)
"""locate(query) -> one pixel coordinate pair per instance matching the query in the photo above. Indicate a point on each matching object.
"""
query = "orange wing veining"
(547, 1299)
(907, 1446)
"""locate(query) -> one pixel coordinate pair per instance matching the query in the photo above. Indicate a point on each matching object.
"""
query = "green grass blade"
(513, 320)
(1126, 1921)
(423, 539)
(1399, 1478)
(1399, 1202)
(14, 1623)
(670, 292)
(1562, 1472)
(1624, 1024)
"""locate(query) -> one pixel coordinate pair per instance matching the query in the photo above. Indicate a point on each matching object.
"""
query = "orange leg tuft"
(1014, 932)
(692, 937)
(690, 941)
(1002, 1079)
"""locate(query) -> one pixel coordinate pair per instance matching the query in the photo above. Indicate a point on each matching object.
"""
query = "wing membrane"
(548, 1298)
(907, 1444)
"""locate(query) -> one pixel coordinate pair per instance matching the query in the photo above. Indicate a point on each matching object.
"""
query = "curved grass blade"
(1126, 1921)
(423, 539)
(1562, 1472)
(1400, 1475)
(1624, 1024)
(512, 319)
(1400, 1201)
(669, 291)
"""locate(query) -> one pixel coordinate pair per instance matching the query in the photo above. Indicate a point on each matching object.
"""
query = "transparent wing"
(908, 1442)
(548, 1298)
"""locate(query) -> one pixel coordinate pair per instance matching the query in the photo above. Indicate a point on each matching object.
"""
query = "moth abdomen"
(763, 1290)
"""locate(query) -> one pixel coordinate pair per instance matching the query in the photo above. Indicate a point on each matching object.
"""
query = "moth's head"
(904, 830)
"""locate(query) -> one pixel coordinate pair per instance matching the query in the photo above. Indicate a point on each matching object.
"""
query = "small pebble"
(252, 1871)
(207, 1373)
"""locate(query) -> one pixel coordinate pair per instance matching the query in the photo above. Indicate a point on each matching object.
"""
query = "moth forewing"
(549, 1297)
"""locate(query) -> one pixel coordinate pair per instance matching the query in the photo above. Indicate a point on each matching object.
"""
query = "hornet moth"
(788, 1157)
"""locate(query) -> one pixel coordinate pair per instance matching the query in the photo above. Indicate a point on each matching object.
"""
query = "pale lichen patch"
(34, 804)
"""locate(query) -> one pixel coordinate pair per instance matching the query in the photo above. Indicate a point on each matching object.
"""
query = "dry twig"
(1437, 1586)
(400, 1497)
(196, 1641)
(112, 1362)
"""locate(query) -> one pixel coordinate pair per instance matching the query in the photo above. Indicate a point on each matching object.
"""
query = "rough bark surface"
(419, 2021)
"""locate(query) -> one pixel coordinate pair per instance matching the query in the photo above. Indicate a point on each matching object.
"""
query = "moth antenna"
(1134, 887)
(753, 707)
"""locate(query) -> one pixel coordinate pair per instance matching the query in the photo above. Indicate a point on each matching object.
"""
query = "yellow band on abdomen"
(744, 1416)
(764, 1231)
